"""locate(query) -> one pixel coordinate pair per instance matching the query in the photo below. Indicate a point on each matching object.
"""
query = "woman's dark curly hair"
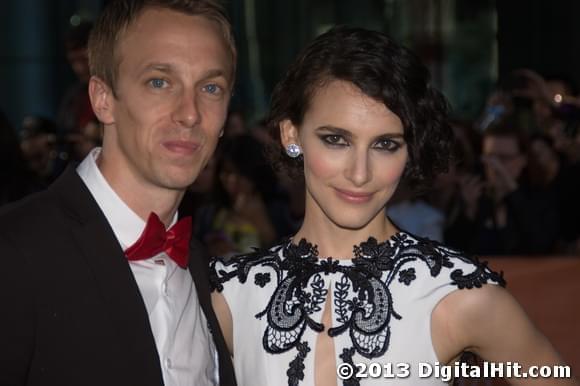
(382, 70)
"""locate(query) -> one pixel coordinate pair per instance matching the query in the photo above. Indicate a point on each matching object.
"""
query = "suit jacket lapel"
(113, 276)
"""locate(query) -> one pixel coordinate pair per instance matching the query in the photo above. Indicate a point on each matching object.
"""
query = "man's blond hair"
(120, 14)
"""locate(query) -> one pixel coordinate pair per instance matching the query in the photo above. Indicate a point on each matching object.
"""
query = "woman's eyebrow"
(348, 134)
(335, 130)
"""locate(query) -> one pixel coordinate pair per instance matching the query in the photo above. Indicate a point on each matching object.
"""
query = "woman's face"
(354, 155)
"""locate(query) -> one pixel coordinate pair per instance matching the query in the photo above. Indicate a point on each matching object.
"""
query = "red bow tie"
(154, 240)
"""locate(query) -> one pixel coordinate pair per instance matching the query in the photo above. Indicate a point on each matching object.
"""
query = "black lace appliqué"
(407, 276)
(346, 357)
(261, 279)
(363, 302)
(295, 371)
(481, 275)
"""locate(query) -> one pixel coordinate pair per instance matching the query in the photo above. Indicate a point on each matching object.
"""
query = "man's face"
(172, 92)
(502, 152)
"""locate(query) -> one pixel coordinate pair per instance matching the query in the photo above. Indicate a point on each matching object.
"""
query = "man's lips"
(353, 197)
(181, 147)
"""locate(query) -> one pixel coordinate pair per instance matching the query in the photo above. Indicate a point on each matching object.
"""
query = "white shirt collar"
(126, 224)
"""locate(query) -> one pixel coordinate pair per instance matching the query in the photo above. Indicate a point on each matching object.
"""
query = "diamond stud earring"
(293, 150)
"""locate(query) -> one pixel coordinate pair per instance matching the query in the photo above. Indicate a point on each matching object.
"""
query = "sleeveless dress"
(382, 301)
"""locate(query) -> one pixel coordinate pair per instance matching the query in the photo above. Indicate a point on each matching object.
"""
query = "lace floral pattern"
(364, 305)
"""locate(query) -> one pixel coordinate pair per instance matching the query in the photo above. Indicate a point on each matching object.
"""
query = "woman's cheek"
(323, 167)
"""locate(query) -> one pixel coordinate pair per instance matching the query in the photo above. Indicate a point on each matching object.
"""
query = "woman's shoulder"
(464, 270)
(239, 267)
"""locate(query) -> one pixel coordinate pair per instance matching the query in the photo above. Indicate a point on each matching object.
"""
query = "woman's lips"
(181, 147)
(353, 197)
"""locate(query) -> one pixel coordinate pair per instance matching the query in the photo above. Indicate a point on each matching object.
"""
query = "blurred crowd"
(513, 185)
(512, 188)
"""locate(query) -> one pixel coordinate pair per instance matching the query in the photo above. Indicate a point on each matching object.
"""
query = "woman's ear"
(288, 133)
(102, 100)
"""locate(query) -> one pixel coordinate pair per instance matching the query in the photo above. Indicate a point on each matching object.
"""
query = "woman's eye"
(333, 139)
(158, 83)
(387, 145)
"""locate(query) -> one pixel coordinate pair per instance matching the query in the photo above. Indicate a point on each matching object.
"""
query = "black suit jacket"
(71, 310)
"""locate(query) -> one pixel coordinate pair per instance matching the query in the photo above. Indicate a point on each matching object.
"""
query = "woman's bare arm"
(224, 316)
(489, 322)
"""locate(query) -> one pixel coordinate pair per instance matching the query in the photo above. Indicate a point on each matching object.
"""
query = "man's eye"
(212, 89)
(157, 83)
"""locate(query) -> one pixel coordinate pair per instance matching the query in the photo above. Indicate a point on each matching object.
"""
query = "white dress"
(382, 301)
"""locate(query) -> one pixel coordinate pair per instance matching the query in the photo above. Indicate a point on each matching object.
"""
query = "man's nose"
(186, 112)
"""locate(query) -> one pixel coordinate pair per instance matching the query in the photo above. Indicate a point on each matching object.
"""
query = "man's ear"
(102, 100)
(288, 133)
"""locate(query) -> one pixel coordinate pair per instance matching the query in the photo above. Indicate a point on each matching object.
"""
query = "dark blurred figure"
(289, 188)
(513, 100)
(260, 131)
(500, 213)
(75, 111)
(548, 108)
(556, 108)
(201, 193)
(16, 180)
(413, 213)
(235, 124)
(448, 187)
(550, 174)
(80, 144)
(247, 210)
(38, 141)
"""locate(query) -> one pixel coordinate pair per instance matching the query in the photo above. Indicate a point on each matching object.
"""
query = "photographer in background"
(500, 214)
(556, 108)
(557, 111)
(547, 110)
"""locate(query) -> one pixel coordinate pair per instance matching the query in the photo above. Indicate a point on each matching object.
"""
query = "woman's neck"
(335, 241)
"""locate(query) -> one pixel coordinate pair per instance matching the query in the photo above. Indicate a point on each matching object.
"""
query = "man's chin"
(178, 183)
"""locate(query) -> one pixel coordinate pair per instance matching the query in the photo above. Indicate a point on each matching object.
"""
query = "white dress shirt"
(185, 345)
